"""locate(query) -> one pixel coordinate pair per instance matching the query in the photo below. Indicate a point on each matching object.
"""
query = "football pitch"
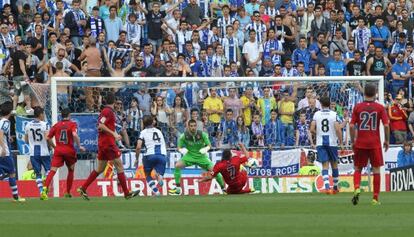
(240, 215)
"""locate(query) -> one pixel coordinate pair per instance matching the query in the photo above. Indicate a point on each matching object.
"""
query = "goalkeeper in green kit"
(194, 145)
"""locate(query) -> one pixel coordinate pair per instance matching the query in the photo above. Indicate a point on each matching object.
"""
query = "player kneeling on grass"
(65, 133)
(230, 168)
(36, 132)
(194, 145)
(107, 149)
(328, 131)
(155, 154)
(6, 161)
(365, 137)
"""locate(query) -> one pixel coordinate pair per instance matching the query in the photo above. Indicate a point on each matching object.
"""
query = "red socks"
(69, 180)
(122, 181)
(377, 185)
(357, 179)
(90, 179)
(49, 178)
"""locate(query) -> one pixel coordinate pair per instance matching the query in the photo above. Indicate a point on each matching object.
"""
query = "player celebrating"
(194, 145)
(65, 133)
(107, 149)
(6, 161)
(155, 155)
(365, 137)
(229, 167)
(36, 132)
(328, 131)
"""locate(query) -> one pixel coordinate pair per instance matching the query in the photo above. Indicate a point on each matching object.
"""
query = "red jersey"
(230, 169)
(106, 117)
(366, 118)
(63, 132)
(398, 118)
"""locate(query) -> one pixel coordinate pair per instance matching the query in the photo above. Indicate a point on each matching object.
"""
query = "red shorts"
(237, 187)
(362, 156)
(59, 158)
(110, 152)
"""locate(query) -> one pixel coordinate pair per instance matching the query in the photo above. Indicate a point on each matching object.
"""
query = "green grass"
(241, 215)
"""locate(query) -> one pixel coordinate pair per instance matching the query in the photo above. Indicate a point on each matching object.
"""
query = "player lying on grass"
(234, 175)
(6, 161)
(328, 132)
(107, 149)
(65, 133)
(194, 145)
(366, 141)
(155, 155)
(36, 132)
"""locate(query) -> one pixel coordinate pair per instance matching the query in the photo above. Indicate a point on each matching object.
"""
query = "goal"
(174, 100)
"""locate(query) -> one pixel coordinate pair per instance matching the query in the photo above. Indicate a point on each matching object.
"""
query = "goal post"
(118, 82)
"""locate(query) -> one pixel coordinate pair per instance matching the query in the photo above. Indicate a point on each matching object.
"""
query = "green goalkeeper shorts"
(203, 162)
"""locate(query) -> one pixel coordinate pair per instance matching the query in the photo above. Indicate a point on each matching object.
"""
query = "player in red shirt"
(107, 149)
(229, 167)
(365, 137)
(65, 134)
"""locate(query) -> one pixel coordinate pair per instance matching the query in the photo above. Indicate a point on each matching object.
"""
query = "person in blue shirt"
(400, 73)
(302, 54)
(380, 34)
(228, 131)
(337, 67)
(202, 68)
(273, 132)
(405, 157)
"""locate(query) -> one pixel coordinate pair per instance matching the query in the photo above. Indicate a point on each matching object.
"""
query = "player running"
(328, 131)
(194, 145)
(6, 161)
(365, 137)
(155, 155)
(65, 133)
(107, 149)
(230, 168)
(36, 132)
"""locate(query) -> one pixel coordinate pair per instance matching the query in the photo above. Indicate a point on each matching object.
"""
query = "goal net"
(230, 110)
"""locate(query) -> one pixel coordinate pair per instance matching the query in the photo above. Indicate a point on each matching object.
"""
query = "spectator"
(286, 111)
(380, 35)
(234, 103)
(195, 115)
(75, 20)
(273, 132)
(144, 99)
(249, 104)
(113, 25)
(405, 156)
(303, 134)
(361, 35)
(120, 124)
(162, 113)
(93, 56)
(95, 24)
(398, 120)
(400, 73)
(214, 108)
(323, 57)
(265, 105)
(257, 129)
(253, 51)
(302, 54)
(243, 132)
(227, 131)
(178, 118)
(305, 102)
(356, 67)
(338, 42)
(193, 13)
(378, 64)
(319, 24)
(134, 121)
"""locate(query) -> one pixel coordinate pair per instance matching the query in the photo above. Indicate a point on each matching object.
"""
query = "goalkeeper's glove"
(204, 150)
(183, 150)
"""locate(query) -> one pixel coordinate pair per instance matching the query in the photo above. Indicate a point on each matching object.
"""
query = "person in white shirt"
(154, 156)
(253, 51)
(36, 132)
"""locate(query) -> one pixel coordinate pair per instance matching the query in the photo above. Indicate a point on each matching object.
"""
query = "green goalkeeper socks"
(220, 180)
(177, 176)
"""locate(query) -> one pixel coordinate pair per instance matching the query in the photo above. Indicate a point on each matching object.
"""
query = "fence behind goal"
(172, 100)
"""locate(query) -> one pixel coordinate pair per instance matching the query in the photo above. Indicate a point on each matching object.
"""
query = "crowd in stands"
(202, 38)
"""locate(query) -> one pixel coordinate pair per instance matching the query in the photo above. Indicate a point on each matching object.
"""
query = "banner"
(87, 132)
(192, 186)
(402, 179)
